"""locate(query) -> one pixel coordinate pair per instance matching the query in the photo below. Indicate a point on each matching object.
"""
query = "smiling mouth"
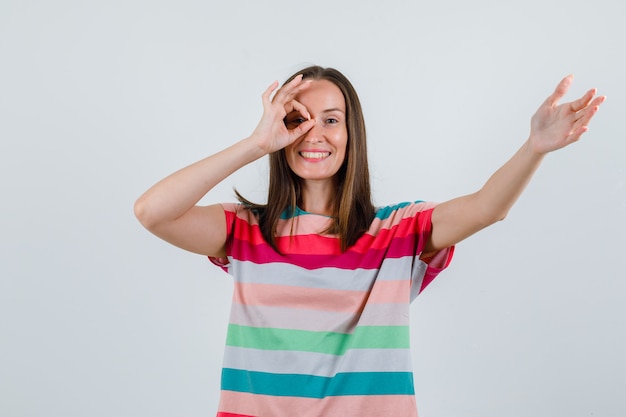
(315, 155)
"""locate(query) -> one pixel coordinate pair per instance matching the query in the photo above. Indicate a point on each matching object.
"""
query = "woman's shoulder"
(239, 208)
(240, 211)
(400, 220)
(404, 209)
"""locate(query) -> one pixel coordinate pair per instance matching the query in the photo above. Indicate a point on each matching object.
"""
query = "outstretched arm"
(553, 126)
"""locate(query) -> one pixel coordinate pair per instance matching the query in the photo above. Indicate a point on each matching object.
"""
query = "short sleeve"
(435, 262)
(230, 214)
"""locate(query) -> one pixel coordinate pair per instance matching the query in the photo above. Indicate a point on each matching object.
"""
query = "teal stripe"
(384, 212)
(288, 213)
(364, 337)
(309, 386)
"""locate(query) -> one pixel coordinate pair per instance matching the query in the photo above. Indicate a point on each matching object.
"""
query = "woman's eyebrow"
(333, 109)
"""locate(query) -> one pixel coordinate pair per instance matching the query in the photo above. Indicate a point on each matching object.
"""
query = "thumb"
(560, 90)
(303, 128)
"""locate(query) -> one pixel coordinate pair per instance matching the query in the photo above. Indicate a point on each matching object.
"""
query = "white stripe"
(319, 321)
(318, 364)
(329, 278)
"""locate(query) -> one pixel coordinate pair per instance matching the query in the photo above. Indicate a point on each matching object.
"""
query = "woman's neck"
(318, 197)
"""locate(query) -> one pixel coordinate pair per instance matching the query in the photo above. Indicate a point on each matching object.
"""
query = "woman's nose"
(314, 135)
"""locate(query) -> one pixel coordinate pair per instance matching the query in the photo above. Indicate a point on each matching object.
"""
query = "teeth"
(315, 155)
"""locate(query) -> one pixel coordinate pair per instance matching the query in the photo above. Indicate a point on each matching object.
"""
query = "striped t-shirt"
(316, 332)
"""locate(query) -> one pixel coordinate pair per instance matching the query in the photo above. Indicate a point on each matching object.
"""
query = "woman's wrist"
(252, 147)
(532, 150)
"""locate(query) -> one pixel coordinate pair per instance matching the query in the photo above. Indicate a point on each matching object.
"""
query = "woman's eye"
(296, 121)
(332, 121)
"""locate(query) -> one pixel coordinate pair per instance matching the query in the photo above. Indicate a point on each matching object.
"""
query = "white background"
(100, 99)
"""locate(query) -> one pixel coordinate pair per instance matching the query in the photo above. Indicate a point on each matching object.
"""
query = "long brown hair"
(353, 208)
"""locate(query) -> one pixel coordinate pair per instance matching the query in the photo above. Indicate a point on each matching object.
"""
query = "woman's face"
(318, 154)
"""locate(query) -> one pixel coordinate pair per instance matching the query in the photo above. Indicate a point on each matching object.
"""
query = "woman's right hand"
(271, 134)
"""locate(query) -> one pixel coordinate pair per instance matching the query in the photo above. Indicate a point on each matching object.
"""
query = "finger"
(299, 107)
(576, 133)
(292, 89)
(598, 101)
(268, 93)
(286, 89)
(302, 129)
(588, 113)
(581, 103)
(296, 80)
(581, 125)
(560, 91)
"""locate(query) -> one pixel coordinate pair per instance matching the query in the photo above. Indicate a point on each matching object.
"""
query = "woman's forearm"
(461, 217)
(176, 194)
(503, 188)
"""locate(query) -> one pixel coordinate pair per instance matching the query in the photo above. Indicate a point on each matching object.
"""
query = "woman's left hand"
(555, 125)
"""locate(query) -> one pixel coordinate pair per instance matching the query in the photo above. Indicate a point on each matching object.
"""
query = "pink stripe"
(436, 263)
(251, 232)
(220, 414)
(309, 244)
(390, 292)
(305, 224)
(362, 406)
(329, 245)
(296, 297)
(371, 259)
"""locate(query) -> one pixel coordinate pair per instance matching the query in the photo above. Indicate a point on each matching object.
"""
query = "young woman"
(319, 324)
